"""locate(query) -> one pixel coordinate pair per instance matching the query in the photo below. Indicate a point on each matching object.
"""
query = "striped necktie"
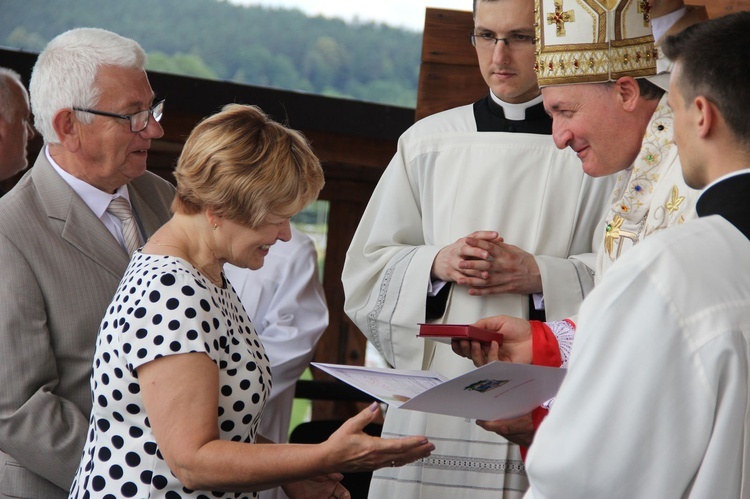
(120, 207)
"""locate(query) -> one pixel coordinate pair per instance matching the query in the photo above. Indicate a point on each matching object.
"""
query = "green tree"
(183, 64)
(22, 39)
(248, 44)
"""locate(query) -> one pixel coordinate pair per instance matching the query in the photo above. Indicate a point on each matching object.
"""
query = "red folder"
(447, 332)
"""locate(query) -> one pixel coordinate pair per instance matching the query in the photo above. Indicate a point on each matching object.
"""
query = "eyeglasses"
(487, 41)
(138, 121)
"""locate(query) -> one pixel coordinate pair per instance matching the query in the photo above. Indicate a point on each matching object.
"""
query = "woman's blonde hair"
(244, 166)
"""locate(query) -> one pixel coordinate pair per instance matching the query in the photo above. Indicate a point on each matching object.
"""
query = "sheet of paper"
(498, 390)
(393, 386)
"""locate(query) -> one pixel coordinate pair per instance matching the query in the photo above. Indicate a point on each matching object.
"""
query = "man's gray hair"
(65, 73)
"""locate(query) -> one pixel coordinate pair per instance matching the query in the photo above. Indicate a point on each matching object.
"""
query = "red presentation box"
(447, 332)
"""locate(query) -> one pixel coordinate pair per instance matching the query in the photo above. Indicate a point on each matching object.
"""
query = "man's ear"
(628, 92)
(67, 128)
(706, 115)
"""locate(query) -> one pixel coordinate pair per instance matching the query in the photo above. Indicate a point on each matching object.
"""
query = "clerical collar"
(727, 197)
(744, 171)
(490, 116)
(515, 112)
(661, 24)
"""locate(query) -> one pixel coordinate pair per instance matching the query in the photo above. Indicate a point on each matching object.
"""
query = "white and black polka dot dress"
(163, 306)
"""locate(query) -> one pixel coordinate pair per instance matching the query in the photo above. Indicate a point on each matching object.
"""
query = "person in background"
(635, 140)
(63, 253)
(655, 401)
(180, 376)
(286, 304)
(15, 126)
(477, 213)
(669, 17)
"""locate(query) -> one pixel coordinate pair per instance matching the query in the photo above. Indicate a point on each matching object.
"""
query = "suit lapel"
(81, 228)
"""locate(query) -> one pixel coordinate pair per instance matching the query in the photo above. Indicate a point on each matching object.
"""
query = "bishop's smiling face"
(589, 118)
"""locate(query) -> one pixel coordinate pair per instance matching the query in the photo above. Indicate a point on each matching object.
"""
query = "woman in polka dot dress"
(180, 376)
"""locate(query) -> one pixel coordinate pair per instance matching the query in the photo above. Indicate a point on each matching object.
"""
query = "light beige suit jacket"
(60, 269)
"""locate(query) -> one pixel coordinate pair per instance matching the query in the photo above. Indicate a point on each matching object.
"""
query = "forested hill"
(255, 45)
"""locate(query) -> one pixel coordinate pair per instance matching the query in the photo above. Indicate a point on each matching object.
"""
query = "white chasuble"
(445, 182)
(649, 196)
(655, 401)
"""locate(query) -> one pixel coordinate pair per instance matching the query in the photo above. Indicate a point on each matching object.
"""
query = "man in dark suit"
(63, 252)
(15, 129)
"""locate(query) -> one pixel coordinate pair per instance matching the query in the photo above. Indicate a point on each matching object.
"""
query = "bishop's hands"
(519, 430)
(516, 347)
(517, 342)
(485, 264)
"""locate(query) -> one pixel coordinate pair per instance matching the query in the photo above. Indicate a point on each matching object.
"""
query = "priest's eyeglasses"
(488, 41)
(138, 121)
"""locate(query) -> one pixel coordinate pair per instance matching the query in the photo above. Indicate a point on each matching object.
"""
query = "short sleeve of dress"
(171, 311)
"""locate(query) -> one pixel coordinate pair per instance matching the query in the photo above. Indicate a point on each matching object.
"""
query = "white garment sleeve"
(635, 412)
(567, 281)
(386, 274)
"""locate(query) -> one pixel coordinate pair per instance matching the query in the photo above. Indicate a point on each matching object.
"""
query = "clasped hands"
(487, 265)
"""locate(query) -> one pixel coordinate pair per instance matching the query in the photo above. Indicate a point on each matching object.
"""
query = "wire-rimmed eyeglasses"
(138, 121)
(514, 41)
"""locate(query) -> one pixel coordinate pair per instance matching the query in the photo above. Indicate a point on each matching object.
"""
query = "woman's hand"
(349, 449)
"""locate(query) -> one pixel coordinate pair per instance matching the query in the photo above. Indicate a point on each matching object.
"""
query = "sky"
(407, 14)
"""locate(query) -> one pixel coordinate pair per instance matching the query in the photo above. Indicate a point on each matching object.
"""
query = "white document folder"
(498, 390)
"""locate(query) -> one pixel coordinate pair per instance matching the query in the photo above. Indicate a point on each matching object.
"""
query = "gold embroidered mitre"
(593, 41)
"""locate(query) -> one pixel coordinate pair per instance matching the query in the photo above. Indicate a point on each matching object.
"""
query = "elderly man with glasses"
(66, 233)
(477, 213)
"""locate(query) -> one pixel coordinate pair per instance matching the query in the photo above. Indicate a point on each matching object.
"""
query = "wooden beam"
(449, 74)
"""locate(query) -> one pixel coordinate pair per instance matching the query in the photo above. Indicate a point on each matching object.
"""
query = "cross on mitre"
(645, 8)
(559, 17)
(592, 41)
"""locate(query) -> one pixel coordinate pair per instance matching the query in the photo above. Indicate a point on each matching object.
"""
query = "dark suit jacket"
(61, 267)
